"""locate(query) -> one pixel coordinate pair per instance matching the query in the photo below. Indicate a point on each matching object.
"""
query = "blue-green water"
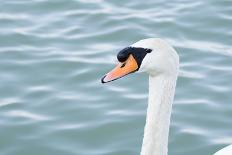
(54, 52)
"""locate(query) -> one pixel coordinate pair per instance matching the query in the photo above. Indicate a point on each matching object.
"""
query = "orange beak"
(122, 69)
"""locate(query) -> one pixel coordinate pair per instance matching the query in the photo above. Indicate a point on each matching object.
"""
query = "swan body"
(225, 151)
(157, 58)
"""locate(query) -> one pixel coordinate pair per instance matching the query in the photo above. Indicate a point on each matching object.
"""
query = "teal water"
(54, 52)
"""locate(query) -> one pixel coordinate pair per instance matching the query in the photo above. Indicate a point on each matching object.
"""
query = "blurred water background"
(54, 52)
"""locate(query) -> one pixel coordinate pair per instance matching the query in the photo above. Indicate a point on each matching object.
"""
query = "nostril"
(123, 65)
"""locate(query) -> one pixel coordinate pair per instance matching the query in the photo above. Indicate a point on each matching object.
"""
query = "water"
(53, 54)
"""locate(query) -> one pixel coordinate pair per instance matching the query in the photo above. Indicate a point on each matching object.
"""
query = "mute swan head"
(153, 56)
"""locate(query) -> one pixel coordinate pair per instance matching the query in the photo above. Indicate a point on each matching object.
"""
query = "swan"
(157, 58)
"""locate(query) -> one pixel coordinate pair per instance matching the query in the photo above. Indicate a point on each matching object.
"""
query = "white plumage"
(162, 66)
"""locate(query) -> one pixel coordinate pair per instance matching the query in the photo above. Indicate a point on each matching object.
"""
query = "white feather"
(162, 65)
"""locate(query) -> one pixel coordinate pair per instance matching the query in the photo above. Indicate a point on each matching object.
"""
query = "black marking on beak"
(138, 53)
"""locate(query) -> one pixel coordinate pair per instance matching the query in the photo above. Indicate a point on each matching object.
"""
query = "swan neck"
(161, 93)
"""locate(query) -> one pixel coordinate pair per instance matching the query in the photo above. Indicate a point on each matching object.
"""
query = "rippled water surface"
(54, 52)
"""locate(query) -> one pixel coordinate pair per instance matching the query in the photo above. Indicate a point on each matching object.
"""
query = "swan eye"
(123, 65)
